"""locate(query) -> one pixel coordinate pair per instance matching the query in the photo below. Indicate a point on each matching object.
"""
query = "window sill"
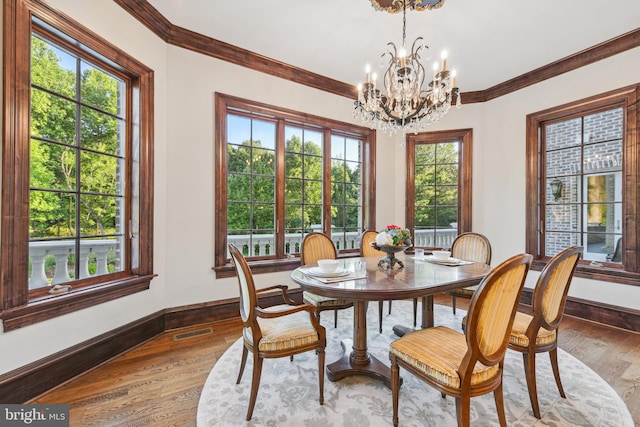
(44, 309)
(605, 273)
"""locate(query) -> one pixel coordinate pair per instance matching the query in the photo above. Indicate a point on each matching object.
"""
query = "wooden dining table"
(416, 279)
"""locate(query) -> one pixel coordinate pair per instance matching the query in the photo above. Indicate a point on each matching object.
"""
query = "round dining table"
(416, 279)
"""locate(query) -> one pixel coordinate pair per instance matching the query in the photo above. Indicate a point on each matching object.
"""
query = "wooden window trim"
(19, 307)
(465, 138)
(627, 98)
(222, 265)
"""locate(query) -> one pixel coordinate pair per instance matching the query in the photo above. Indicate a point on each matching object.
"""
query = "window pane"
(52, 166)
(52, 214)
(563, 134)
(52, 68)
(100, 90)
(238, 129)
(52, 118)
(101, 132)
(603, 126)
(99, 173)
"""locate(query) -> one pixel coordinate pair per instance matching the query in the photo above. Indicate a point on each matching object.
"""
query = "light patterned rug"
(288, 394)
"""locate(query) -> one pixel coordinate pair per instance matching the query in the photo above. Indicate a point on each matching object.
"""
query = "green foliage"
(251, 188)
(436, 184)
(55, 153)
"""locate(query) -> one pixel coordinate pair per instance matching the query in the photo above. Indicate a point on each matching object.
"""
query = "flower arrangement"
(394, 235)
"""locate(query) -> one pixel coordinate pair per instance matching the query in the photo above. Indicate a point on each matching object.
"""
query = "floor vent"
(196, 333)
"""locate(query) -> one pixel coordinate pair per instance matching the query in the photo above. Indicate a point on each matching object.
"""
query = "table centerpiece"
(391, 240)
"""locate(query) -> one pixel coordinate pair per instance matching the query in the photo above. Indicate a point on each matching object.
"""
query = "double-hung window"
(438, 186)
(77, 168)
(280, 175)
(582, 183)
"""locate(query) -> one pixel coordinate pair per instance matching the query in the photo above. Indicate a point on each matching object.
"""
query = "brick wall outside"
(588, 145)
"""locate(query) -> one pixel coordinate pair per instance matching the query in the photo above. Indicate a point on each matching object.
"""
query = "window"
(281, 175)
(438, 186)
(76, 174)
(582, 165)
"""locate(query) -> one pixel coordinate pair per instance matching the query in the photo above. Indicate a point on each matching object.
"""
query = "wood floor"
(159, 382)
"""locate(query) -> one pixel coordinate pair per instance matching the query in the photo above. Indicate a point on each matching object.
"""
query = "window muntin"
(591, 147)
(438, 194)
(312, 180)
(583, 159)
(77, 168)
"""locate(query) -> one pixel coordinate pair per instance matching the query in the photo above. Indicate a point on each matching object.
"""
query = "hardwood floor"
(159, 382)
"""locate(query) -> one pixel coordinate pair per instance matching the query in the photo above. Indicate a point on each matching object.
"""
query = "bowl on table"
(441, 255)
(328, 265)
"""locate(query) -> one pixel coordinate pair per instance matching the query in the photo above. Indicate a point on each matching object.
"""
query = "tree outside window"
(281, 175)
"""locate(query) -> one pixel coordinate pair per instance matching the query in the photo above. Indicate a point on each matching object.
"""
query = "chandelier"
(406, 103)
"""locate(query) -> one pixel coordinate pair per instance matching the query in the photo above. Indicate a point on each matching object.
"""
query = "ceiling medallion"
(395, 6)
(407, 102)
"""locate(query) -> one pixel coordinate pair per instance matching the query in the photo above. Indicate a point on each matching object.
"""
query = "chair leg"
(463, 411)
(380, 308)
(415, 312)
(499, 398)
(453, 303)
(529, 360)
(389, 306)
(255, 383)
(395, 388)
(243, 362)
(335, 318)
(553, 355)
(320, 353)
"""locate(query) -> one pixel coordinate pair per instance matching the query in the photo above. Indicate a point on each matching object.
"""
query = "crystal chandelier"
(406, 102)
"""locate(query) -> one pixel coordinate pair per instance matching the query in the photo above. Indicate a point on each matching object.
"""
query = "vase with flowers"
(391, 240)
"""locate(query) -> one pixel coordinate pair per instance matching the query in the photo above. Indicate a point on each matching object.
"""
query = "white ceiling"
(488, 42)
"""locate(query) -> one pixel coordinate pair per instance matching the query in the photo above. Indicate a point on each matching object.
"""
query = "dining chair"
(282, 330)
(469, 247)
(469, 364)
(366, 249)
(316, 246)
(538, 333)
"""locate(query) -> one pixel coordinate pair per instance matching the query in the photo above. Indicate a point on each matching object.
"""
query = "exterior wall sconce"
(556, 189)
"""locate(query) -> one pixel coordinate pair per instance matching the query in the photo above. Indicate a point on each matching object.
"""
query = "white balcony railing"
(263, 244)
(60, 250)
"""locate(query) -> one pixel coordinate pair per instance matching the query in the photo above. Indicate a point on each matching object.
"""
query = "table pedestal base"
(427, 318)
(349, 364)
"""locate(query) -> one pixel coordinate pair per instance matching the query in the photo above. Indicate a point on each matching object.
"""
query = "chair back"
(550, 293)
(316, 246)
(248, 298)
(492, 311)
(472, 247)
(366, 239)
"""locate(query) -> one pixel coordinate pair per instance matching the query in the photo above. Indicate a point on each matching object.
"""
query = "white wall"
(185, 83)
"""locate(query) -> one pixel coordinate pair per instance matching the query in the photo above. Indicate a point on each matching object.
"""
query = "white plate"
(315, 271)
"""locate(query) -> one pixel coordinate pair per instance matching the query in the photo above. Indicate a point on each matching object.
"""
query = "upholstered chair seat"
(437, 353)
(519, 332)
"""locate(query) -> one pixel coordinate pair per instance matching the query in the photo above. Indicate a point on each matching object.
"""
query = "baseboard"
(34, 379)
(620, 317)
(30, 381)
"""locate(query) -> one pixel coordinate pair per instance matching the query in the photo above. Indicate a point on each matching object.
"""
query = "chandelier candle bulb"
(407, 99)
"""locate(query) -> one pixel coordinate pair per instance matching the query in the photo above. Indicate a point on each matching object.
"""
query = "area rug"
(288, 394)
